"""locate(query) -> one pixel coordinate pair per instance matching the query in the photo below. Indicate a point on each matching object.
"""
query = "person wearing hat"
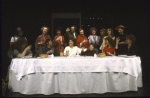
(82, 40)
(39, 43)
(58, 41)
(93, 39)
(19, 34)
(121, 35)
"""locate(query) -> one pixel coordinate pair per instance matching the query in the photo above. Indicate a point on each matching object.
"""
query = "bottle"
(95, 55)
(52, 56)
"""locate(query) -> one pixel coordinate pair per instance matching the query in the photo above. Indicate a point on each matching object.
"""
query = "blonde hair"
(44, 27)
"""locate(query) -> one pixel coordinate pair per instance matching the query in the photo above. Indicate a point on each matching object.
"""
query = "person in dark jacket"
(49, 49)
(130, 41)
(89, 52)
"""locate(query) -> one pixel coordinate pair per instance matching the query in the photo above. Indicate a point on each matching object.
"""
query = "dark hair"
(93, 28)
(75, 28)
(70, 38)
(47, 40)
(131, 37)
(19, 43)
(91, 44)
(112, 33)
(58, 29)
(110, 41)
(103, 30)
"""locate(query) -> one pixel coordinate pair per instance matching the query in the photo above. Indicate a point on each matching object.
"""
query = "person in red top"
(82, 40)
(109, 50)
(58, 41)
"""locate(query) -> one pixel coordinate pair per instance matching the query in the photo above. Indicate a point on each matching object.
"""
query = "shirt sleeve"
(17, 53)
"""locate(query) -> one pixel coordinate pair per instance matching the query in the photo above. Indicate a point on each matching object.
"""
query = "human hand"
(67, 53)
(117, 40)
(83, 48)
(40, 42)
(50, 51)
(94, 38)
(109, 53)
(89, 37)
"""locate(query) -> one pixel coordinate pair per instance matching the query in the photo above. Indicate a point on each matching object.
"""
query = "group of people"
(72, 44)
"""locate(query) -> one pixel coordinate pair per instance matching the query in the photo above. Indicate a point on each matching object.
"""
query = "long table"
(75, 75)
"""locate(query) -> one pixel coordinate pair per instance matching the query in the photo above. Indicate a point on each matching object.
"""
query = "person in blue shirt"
(93, 39)
(49, 49)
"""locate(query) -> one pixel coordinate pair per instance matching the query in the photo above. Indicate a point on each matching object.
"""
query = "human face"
(45, 31)
(81, 32)
(109, 32)
(120, 30)
(50, 43)
(91, 47)
(71, 43)
(101, 32)
(93, 32)
(128, 41)
(20, 33)
(72, 29)
(58, 32)
(106, 41)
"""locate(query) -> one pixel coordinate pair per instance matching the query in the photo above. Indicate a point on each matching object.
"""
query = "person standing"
(19, 34)
(93, 39)
(82, 40)
(121, 35)
(58, 41)
(39, 43)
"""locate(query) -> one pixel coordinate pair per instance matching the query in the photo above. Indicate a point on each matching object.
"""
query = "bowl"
(43, 55)
(101, 55)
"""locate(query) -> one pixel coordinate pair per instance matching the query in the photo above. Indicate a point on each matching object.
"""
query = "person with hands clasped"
(93, 39)
(82, 40)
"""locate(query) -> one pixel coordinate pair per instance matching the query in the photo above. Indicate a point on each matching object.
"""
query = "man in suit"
(71, 34)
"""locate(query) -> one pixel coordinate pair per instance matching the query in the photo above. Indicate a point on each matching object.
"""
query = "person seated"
(93, 39)
(130, 41)
(82, 40)
(108, 34)
(101, 37)
(20, 49)
(49, 49)
(71, 50)
(89, 52)
(109, 50)
(58, 41)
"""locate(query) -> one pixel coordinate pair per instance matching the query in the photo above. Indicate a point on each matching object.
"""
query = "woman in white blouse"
(71, 50)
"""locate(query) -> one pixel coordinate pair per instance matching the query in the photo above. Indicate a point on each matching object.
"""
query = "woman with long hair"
(108, 34)
(102, 35)
(20, 49)
(109, 50)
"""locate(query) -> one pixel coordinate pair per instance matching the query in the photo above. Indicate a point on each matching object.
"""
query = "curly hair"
(44, 27)
(112, 33)
(131, 37)
(93, 28)
(19, 43)
(110, 41)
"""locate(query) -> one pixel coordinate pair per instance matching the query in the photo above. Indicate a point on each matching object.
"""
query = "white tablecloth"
(58, 78)
(22, 67)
